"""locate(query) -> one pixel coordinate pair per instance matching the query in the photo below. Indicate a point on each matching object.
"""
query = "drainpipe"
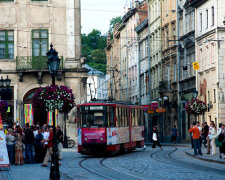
(178, 70)
(149, 75)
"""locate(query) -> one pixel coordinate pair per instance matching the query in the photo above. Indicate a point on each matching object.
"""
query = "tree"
(93, 47)
(113, 22)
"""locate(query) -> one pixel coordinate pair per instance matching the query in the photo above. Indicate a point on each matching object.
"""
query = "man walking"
(29, 141)
(59, 135)
(206, 132)
(196, 134)
(49, 147)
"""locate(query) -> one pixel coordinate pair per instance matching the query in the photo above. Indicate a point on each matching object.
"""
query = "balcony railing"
(24, 63)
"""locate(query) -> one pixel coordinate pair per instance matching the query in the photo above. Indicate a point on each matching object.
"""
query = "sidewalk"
(205, 156)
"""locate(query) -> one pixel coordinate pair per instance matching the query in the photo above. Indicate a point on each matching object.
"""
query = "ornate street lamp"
(53, 66)
(194, 94)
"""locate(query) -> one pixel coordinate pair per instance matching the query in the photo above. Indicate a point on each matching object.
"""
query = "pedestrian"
(213, 135)
(209, 138)
(196, 134)
(59, 135)
(174, 134)
(200, 130)
(45, 133)
(49, 147)
(10, 138)
(155, 136)
(29, 141)
(220, 134)
(19, 147)
(39, 147)
(206, 132)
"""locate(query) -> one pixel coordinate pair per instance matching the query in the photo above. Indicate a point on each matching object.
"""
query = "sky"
(96, 14)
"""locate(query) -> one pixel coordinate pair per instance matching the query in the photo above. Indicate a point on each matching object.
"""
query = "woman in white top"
(213, 134)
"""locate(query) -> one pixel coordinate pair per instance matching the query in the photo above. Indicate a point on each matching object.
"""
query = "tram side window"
(133, 117)
(136, 117)
(112, 117)
(140, 117)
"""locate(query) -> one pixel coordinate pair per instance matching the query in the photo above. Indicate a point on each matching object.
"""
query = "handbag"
(218, 143)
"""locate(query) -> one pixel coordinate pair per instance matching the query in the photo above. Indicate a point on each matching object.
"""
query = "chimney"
(137, 4)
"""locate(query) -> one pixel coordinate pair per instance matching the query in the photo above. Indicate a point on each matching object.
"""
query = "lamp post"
(163, 99)
(53, 66)
(194, 94)
(4, 83)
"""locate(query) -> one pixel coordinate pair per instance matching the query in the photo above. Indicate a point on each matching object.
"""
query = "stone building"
(169, 65)
(26, 30)
(186, 15)
(96, 84)
(210, 48)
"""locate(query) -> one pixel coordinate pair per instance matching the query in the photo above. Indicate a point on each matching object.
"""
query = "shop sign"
(150, 111)
(160, 110)
(154, 105)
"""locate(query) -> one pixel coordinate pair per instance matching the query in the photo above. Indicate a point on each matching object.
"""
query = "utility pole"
(178, 71)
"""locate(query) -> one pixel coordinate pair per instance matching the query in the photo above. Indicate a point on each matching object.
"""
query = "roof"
(94, 71)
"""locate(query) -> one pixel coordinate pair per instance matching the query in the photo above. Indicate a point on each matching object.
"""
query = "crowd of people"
(209, 136)
(32, 144)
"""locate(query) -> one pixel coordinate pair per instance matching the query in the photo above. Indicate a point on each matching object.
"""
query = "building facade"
(96, 84)
(186, 16)
(24, 41)
(210, 34)
(169, 85)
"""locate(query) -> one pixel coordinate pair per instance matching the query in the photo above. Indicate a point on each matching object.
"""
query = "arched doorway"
(36, 115)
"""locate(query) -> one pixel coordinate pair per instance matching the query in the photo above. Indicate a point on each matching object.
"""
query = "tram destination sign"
(150, 111)
(96, 107)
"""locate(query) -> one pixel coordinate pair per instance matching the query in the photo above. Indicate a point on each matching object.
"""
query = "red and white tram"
(109, 127)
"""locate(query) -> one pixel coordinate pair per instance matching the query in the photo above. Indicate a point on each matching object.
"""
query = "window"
(6, 45)
(39, 42)
(213, 21)
(200, 21)
(208, 96)
(207, 18)
(214, 91)
(174, 71)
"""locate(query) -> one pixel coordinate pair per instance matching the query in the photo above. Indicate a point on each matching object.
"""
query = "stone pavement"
(170, 163)
(205, 156)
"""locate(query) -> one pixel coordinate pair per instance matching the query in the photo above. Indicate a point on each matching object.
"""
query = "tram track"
(97, 167)
(168, 159)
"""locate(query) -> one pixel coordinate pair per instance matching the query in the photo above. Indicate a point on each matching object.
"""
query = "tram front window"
(94, 116)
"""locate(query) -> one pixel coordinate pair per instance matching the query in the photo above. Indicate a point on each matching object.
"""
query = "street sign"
(154, 105)
(160, 110)
(195, 65)
(150, 111)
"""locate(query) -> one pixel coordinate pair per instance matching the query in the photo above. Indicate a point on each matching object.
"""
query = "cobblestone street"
(169, 163)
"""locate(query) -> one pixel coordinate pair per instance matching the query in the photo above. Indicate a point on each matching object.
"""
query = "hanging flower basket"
(53, 98)
(195, 106)
(3, 106)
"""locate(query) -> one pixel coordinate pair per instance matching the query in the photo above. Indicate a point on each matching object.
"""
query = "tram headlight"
(86, 139)
(101, 138)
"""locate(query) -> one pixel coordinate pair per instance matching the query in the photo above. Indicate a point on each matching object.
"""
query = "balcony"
(196, 3)
(33, 63)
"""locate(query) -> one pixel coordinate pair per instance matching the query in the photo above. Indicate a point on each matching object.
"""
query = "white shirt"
(154, 137)
(46, 135)
(35, 133)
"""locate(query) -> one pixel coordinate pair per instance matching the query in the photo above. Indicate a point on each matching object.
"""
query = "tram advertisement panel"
(137, 133)
(93, 135)
(117, 135)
